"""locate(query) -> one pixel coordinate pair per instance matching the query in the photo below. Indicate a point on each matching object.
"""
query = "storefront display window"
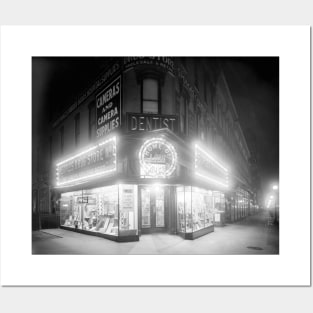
(202, 208)
(194, 209)
(218, 201)
(94, 210)
(198, 208)
(181, 221)
(188, 199)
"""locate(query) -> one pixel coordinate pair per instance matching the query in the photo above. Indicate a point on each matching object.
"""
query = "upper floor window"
(150, 96)
(77, 129)
(92, 121)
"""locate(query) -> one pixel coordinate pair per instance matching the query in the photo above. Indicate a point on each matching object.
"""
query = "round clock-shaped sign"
(158, 158)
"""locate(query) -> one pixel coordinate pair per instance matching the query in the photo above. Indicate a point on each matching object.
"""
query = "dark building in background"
(154, 144)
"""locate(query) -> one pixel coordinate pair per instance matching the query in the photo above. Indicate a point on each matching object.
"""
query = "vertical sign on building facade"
(108, 104)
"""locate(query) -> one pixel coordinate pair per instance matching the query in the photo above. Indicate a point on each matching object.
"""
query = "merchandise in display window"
(188, 211)
(94, 210)
(201, 208)
(181, 221)
(194, 209)
(128, 204)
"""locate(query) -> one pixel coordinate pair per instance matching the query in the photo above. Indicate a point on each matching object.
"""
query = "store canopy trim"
(89, 164)
(210, 169)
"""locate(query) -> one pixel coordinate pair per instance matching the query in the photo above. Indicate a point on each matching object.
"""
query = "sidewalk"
(250, 236)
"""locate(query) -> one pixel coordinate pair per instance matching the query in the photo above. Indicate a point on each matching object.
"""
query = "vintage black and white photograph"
(155, 155)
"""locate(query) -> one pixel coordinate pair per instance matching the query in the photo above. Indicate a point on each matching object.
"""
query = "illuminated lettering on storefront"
(158, 158)
(208, 168)
(166, 63)
(92, 163)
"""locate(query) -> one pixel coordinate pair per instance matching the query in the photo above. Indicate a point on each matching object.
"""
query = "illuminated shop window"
(150, 96)
(94, 210)
(195, 208)
(202, 209)
(128, 204)
(180, 201)
(188, 211)
(110, 210)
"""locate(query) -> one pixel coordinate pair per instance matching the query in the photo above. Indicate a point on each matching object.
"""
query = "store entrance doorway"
(154, 209)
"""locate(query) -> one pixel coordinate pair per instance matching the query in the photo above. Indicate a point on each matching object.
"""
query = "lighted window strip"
(86, 151)
(211, 180)
(82, 179)
(86, 177)
(210, 157)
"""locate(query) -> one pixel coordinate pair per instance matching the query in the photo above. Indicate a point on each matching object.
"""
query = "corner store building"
(152, 145)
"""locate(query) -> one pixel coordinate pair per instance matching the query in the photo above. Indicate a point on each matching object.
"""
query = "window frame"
(157, 79)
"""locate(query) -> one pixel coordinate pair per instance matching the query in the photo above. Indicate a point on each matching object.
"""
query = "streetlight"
(275, 188)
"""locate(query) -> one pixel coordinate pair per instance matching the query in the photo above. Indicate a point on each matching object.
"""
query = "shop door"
(153, 209)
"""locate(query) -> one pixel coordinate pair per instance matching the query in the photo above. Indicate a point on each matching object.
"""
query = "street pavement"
(252, 235)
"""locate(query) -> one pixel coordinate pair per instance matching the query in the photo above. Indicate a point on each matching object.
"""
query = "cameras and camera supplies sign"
(108, 108)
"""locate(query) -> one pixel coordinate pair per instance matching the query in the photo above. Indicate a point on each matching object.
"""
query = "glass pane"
(150, 89)
(145, 207)
(150, 107)
(101, 210)
(128, 209)
(180, 209)
(93, 210)
(208, 200)
(188, 209)
(198, 208)
(159, 207)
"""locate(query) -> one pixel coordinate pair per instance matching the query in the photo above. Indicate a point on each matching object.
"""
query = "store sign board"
(209, 168)
(158, 158)
(82, 199)
(92, 163)
(108, 108)
(140, 122)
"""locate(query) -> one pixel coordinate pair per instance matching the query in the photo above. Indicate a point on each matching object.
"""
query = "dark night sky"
(253, 82)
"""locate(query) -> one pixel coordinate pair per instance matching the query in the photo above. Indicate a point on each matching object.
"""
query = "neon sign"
(210, 169)
(158, 158)
(92, 163)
